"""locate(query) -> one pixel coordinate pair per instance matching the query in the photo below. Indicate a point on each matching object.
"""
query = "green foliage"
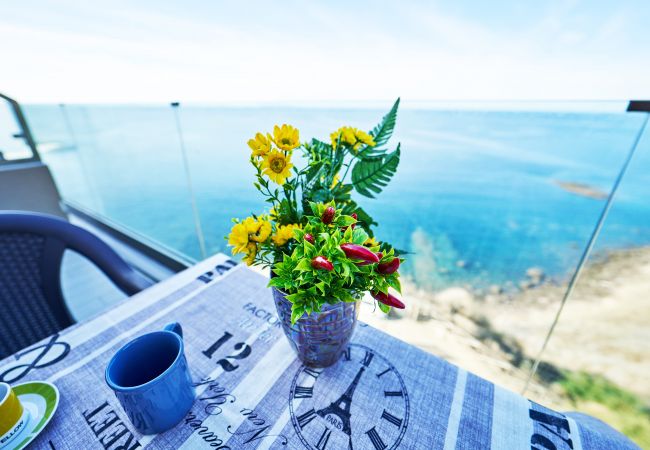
(371, 168)
(383, 132)
(622, 409)
(373, 174)
(309, 288)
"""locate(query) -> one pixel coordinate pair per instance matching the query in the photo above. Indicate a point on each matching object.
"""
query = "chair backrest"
(32, 306)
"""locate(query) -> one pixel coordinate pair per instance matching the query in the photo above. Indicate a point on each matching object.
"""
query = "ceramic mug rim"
(152, 382)
(7, 393)
(19, 425)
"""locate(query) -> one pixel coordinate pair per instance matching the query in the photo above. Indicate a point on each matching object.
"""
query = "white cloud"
(308, 51)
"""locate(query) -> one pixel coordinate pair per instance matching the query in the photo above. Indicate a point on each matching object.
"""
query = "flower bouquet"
(316, 239)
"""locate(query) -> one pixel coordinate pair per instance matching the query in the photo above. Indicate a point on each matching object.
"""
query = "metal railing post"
(190, 186)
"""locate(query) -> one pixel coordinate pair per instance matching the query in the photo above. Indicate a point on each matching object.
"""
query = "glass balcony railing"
(496, 203)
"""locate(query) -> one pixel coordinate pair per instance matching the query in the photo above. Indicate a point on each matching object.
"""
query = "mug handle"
(174, 327)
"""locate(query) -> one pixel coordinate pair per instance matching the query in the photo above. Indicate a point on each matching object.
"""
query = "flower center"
(277, 165)
(285, 141)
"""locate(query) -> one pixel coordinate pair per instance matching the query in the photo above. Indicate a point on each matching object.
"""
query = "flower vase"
(320, 337)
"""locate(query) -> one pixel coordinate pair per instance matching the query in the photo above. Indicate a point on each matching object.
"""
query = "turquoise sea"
(476, 199)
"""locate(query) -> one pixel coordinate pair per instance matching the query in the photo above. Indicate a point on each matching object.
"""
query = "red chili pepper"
(354, 251)
(388, 299)
(365, 263)
(322, 263)
(328, 215)
(309, 238)
(388, 267)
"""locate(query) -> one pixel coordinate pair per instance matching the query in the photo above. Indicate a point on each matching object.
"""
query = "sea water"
(478, 198)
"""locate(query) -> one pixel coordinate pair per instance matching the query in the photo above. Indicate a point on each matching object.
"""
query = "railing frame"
(26, 134)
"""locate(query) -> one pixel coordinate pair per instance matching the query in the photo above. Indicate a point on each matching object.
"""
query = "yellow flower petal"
(277, 166)
(284, 233)
(260, 145)
(351, 137)
(286, 137)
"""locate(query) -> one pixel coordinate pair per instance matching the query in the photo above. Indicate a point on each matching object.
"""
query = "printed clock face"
(359, 403)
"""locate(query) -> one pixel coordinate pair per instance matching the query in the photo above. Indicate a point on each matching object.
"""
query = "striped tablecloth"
(252, 392)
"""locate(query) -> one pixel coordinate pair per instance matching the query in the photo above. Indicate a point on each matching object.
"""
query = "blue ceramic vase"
(318, 338)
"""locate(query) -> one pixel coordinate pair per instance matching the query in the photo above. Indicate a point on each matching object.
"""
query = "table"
(252, 392)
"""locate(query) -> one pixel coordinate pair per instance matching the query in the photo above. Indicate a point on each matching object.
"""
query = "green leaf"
(373, 175)
(344, 221)
(394, 283)
(296, 313)
(310, 250)
(345, 296)
(382, 132)
(384, 308)
(359, 236)
(303, 266)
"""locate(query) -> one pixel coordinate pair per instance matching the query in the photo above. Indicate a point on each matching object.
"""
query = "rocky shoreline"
(604, 328)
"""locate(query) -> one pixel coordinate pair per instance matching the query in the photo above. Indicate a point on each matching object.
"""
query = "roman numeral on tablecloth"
(305, 418)
(367, 359)
(376, 439)
(393, 394)
(312, 372)
(391, 418)
(379, 375)
(303, 392)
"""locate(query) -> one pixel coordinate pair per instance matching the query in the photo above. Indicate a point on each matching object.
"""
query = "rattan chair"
(32, 306)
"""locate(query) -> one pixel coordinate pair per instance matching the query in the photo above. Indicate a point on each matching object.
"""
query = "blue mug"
(151, 380)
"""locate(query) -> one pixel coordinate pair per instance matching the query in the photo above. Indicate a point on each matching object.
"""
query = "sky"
(213, 51)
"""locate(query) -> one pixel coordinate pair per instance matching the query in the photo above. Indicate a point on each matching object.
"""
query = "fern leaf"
(382, 132)
(372, 175)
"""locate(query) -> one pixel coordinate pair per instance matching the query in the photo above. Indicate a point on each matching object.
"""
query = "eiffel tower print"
(341, 407)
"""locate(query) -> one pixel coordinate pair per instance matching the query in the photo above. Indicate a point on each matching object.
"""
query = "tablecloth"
(252, 392)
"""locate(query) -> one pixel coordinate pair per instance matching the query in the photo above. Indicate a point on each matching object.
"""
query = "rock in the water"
(495, 289)
(535, 273)
(455, 298)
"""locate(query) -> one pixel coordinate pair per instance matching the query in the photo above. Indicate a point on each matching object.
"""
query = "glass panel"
(57, 146)
(600, 343)
(13, 145)
(127, 167)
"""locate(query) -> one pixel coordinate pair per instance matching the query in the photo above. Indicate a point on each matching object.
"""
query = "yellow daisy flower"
(346, 136)
(352, 137)
(260, 145)
(258, 230)
(363, 138)
(245, 235)
(284, 233)
(251, 253)
(238, 238)
(277, 166)
(286, 137)
(371, 242)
